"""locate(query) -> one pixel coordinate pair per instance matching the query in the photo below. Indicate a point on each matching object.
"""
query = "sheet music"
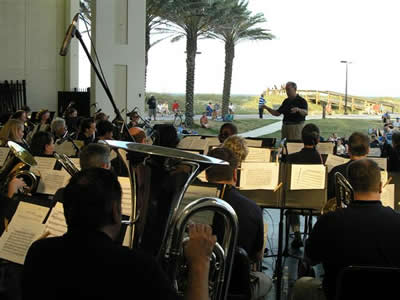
(202, 176)
(65, 148)
(294, 147)
(384, 177)
(325, 148)
(30, 212)
(374, 152)
(334, 160)
(56, 224)
(259, 176)
(186, 142)
(3, 155)
(200, 144)
(15, 242)
(387, 196)
(253, 143)
(126, 201)
(213, 141)
(258, 155)
(381, 161)
(52, 180)
(308, 177)
(44, 163)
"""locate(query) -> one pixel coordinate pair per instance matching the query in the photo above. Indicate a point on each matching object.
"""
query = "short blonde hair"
(238, 146)
(9, 130)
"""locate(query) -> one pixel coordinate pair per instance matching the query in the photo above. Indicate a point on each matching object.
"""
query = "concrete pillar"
(118, 30)
(72, 59)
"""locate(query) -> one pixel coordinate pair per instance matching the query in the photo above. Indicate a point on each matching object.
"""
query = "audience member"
(204, 121)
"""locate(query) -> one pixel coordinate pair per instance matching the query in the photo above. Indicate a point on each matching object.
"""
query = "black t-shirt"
(88, 265)
(305, 156)
(364, 233)
(288, 104)
(251, 224)
(152, 103)
(393, 156)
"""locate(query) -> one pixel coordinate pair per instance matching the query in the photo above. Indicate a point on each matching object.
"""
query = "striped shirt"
(261, 101)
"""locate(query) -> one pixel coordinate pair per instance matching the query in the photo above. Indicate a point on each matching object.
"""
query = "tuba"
(344, 194)
(17, 164)
(159, 179)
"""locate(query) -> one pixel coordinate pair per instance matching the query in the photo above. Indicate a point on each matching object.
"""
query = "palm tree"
(236, 26)
(191, 19)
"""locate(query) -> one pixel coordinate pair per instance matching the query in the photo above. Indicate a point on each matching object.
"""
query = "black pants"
(261, 112)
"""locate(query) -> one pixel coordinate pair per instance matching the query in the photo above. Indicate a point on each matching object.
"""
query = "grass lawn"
(342, 127)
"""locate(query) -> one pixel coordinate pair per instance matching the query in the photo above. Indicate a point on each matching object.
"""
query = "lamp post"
(345, 92)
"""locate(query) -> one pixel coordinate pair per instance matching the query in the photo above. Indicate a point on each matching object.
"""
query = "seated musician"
(308, 155)
(43, 123)
(364, 233)
(105, 131)
(13, 131)
(72, 120)
(226, 130)
(358, 149)
(138, 134)
(85, 263)
(58, 129)
(238, 146)
(165, 136)
(87, 131)
(42, 144)
(392, 152)
(251, 225)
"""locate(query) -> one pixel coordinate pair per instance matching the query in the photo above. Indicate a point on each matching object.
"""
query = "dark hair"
(103, 127)
(18, 114)
(358, 144)
(364, 175)
(41, 113)
(100, 117)
(222, 172)
(26, 108)
(292, 84)
(70, 111)
(94, 156)
(89, 197)
(396, 139)
(165, 135)
(310, 135)
(39, 141)
(223, 134)
(85, 124)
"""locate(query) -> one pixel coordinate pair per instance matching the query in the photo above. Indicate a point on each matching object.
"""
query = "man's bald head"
(364, 176)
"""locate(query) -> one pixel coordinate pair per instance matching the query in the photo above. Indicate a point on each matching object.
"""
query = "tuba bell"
(159, 178)
(344, 194)
(17, 164)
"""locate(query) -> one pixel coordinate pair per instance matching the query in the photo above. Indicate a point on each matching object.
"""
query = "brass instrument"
(66, 163)
(344, 194)
(17, 164)
(159, 179)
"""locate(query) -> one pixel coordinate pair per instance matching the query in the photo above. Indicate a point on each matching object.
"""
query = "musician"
(134, 119)
(85, 263)
(20, 115)
(138, 134)
(226, 131)
(87, 131)
(238, 146)
(13, 131)
(364, 233)
(308, 155)
(71, 119)
(58, 128)
(165, 136)
(251, 225)
(392, 152)
(101, 117)
(358, 149)
(42, 144)
(105, 131)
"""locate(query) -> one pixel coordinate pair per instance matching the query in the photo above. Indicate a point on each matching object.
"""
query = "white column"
(118, 29)
(72, 59)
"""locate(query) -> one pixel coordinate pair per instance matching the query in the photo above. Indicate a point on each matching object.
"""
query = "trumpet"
(66, 163)
(344, 194)
(17, 164)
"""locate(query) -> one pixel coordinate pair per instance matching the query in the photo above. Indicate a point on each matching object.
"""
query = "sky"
(312, 37)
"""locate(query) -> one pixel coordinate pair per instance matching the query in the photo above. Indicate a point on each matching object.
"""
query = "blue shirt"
(261, 101)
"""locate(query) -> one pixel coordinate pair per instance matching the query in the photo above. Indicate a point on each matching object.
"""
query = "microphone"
(99, 110)
(94, 104)
(68, 36)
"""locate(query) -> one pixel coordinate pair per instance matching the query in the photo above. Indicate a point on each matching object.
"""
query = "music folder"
(302, 187)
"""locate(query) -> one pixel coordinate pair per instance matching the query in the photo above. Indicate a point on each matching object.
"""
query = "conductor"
(294, 109)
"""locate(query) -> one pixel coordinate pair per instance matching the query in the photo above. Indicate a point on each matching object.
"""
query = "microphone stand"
(106, 89)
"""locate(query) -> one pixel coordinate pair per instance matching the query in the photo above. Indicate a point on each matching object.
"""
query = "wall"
(118, 30)
(31, 33)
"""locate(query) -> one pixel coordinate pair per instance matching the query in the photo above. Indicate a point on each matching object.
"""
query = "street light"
(345, 92)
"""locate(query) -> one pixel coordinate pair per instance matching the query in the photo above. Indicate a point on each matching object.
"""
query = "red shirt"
(175, 106)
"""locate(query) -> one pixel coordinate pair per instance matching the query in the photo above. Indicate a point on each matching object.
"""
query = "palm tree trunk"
(191, 49)
(226, 93)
